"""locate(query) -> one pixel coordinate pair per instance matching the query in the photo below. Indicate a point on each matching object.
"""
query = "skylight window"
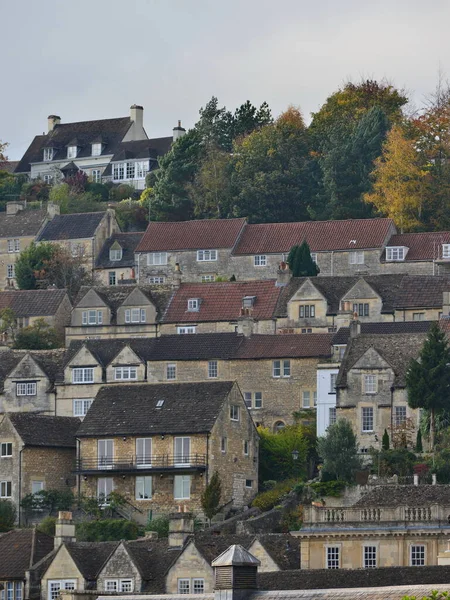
(160, 404)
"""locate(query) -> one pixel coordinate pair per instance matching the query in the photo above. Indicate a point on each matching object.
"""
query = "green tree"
(276, 461)
(211, 496)
(300, 261)
(8, 515)
(419, 445)
(385, 440)
(3, 146)
(39, 336)
(30, 263)
(339, 451)
(428, 377)
(8, 322)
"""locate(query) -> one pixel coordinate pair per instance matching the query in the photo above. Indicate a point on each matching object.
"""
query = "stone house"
(426, 253)
(191, 572)
(390, 526)
(247, 307)
(83, 234)
(202, 249)
(370, 387)
(117, 312)
(116, 263)
(37, 452)
(117, 150)
(28, 306)
(27, 380)
(20, 549)
(19, 227)
(159, 445)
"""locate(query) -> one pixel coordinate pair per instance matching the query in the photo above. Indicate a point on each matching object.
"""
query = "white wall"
(325, 399)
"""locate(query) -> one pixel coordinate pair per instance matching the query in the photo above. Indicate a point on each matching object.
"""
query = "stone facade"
(62, 567)
(120, 566)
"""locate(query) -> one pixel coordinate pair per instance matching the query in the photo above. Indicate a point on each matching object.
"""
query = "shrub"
(47, 526)
(270, 498)
(328, 488)
(107, 530)
(393, 462)
(160, 525)
(8, 515)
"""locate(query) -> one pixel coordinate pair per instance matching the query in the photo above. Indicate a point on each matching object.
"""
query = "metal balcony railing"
(155, 463)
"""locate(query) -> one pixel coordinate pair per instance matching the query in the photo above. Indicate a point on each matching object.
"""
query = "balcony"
(160, 463)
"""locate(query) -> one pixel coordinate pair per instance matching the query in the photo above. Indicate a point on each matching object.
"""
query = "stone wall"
(119, 566)
(53, 466)
(43, 401)
(189, 565)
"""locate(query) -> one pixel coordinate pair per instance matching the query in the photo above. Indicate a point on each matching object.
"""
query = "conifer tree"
(211, 496)
(428, 378)
(300, 261)
(419, 445)
(385, 440)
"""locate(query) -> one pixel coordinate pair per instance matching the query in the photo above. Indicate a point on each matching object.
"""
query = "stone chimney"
(137, 115)
(283, 274)
(178, 132)
(177, 275)
(446, 304)
(53, 120)
(355, 328)
(236, 573)
(64, 529)
(181, 526)
(344, 315)
(246, 323)
(52, 210)
(12, 208)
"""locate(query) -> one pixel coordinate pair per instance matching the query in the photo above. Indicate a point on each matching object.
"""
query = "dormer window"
(193, 304)
(394, 253)
(115, 253)
(445, 250)
(248, 301)
(48, 154)
(72, 151)
(96, 149)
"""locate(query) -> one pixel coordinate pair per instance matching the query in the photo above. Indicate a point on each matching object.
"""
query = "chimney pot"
(178, 131)
(53, 120)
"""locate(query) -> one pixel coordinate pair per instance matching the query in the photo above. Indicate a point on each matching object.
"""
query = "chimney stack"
(52, 210)
(137, 115)
(12, 208)
(64, 529)
(177, 275)
(283, 274)
(236, 573)
(178, 132)
(355, 328)
(53, 120)
(181, 526)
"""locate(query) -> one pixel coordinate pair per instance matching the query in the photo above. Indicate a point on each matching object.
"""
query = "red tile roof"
(286, 346)
(321, 236)
(222, 301)
(191, 235)
(422, 246)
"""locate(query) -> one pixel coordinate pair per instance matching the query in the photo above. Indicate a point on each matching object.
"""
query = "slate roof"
(71, 227)
(286, 346)
(322, 236)
(91, 556)
(422, 246)
(406, 495)
(422, 291)
(33, 303)
(335, 288)
(191, 235)
(50, 361)
(84, 133)
(343, 334)
(396, 349)
(26, 223)
(20, 549)
(202, 346)
(131, 409)
(115, 295)
(128, 243)
(42, 430)
(143, 149)
(153, 558)
(222, 301)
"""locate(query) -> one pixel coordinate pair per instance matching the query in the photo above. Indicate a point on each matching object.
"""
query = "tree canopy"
(339, 451)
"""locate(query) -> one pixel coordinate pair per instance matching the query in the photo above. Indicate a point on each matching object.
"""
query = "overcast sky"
(92, 59)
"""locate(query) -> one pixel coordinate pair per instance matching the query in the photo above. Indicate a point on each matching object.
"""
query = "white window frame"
(333, 377)
(82, 375)
(115, 254)
(6, 489)
(260, 260)
(184, 585)
(187, 329)
(13, 245)
(370, 556)
(208, 278)
(306, 399)
(171, 371)
(55, 585)
(333, 557)
(213, 369)
(332, 417)
(4, 450)
(234, 412)
(135, 315)
(96, 149)
(356, 257)
(367, 419)
(307, 311)
(112, 278)
(48, 179)
(417, 555)
(26, 388)
(143, 482)
(314, 257)
(118, 170)
(72, 151)
(281, 369)
(252, 401)
(182, 447)
(395, 253)
(183, 483)
(207, 255)
(198, 585)
(37, 486)
(96, 175)
(48, 154)
(370, 384)
(144, 449)
(81, 406)
(125, 373)
(11, 271)
(153, 279)
(419, 316)
(156, 258)
(193, 304)
(445, 250)
(400, 419)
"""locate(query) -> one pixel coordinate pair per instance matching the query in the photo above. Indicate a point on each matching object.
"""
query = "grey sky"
(92, 59)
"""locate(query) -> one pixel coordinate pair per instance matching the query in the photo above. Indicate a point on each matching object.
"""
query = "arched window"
(279, 425)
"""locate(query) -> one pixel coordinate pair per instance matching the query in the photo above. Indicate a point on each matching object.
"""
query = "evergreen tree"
(419, 445)
(428, 378)
(211, 496)
(300, 261)
(339, 451)
(385, 440)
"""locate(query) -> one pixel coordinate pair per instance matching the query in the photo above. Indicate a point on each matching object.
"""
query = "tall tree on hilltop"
(428, 377)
